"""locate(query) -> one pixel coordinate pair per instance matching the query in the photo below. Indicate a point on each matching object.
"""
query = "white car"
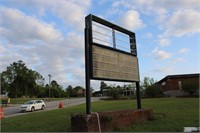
(33, 105)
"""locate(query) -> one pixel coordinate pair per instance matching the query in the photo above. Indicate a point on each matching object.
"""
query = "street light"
(49, 84)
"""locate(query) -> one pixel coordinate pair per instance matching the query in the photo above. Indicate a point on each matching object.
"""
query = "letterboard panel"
(113, 65)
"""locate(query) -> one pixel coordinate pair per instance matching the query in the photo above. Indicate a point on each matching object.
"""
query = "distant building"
(171, 85)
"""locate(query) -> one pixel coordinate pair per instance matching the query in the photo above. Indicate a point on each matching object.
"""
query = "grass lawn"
(171, 115)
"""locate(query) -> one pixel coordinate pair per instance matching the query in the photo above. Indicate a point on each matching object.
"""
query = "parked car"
(33, 105)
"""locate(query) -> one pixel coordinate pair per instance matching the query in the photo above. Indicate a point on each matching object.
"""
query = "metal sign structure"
(110, 54)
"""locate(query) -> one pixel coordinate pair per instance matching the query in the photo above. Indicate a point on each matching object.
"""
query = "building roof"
(196, 75)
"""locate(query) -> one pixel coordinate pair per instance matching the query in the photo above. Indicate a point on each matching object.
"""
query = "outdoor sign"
(112, 65)
(110, 54)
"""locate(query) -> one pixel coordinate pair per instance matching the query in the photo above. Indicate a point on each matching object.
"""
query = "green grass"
(48, 121)
(171, 115)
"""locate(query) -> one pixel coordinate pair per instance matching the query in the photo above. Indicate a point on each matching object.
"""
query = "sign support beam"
(88, 40)
(87, 73)
(138, 95)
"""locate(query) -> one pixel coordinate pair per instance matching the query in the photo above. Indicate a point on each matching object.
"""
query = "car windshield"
(29, 102)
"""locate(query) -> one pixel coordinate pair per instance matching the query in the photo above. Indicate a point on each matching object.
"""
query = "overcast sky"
(48, 35)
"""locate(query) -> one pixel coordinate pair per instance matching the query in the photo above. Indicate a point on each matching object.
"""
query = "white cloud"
(182, 22)
(149, 35)
(165, 70)
(8, 55)
(117, 4)
(183, 51)
(153, 6)
(160, 54)
(45, 49)
(178, 60)
(15, 26)
(131, 20)
(71, 12)
(163, 6)
(177, 4)
(163, 42)
(64, 59)
(175, 17)
(2, 49)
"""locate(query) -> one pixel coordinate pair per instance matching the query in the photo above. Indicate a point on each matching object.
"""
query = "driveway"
(14, 109)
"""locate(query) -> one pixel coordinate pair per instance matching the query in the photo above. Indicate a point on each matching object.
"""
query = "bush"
(190, 86)
(153, 91)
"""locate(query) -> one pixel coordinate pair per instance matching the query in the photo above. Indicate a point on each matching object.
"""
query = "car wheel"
(42, 108)
(32, 109)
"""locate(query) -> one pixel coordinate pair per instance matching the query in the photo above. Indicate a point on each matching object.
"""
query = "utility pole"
(49, 84)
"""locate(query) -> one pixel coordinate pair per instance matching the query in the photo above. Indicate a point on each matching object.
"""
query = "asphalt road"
(14, 110)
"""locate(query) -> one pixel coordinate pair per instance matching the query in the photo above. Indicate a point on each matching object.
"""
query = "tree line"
(20, 81)
(148, 88)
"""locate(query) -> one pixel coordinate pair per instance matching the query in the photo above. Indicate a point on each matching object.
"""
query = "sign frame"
(89, 57)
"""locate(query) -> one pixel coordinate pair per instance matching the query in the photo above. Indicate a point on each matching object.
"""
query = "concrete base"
(108, 120)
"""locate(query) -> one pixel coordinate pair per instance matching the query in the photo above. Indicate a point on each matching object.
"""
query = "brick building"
(171, 85)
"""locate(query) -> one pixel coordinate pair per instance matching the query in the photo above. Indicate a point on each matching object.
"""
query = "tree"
(147, 82)
(115, 92)
(75, 92)
(69, 90)
(150, 87)
(152, 91)
(91, 90)
(41, 91)
(129, 89)
(57, 90)
(103, 86)
(4, 86)
(190, 85)
(20, 81)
